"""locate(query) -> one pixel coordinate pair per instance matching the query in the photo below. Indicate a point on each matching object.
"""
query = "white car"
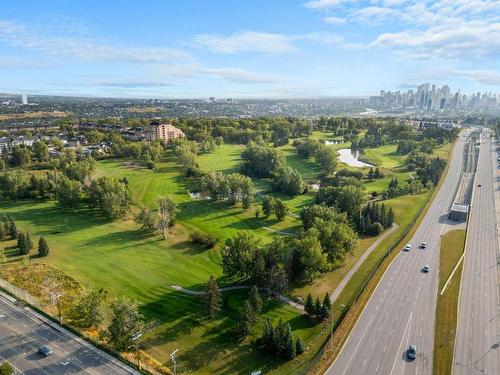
(407, 247)
(425, 269)
(423, 245)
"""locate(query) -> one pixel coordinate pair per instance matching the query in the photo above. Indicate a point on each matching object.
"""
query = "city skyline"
(299, 48)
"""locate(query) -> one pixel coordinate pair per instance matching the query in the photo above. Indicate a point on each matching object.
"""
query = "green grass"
(383, 156)
(452, 247)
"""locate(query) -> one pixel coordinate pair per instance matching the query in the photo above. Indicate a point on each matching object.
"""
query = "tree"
(43, 247)
(267, 205)
(15, 184)
(29, 242)
(309, 306)
(246, 320)
(110, 196)
(255, 299)
(146, 219)
(288, 181)
(280, 209)
(290, 351)
(167, 212)
(238, 253)
(41, 151)
(126, 322)
(212, 298)
(12, 229)
(21, 244)
(67, 192)
(89, 309)
(327, 158)
(327, 302)
(299, 346)
(6, 369)
(21, 156)
(310, 261)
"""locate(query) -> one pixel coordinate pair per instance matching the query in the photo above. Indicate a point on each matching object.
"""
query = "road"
(22, 332)
(401, 310)
(478, 333)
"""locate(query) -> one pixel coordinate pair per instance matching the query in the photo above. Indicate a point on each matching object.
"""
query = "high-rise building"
(24, 99)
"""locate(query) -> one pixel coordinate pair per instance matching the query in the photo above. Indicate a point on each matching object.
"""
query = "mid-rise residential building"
(165, 132)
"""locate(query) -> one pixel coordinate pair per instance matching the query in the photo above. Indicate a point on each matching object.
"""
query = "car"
(407, 247)
(45, 351)
(479, 185)
(423, 245)
(425, 268)
(412, 352)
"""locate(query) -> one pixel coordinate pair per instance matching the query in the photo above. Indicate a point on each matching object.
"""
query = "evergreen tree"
(212, 298)
(290, 349)
(317, 307)
(13, 232)
(324, 312)
(327, 302)
(390, 217)
(43, 247)
(309, 306)
(267, 335)
(280, 209)
(299, 346)
(29, 243)
(246, 320)
(21, 244)
(255, 300)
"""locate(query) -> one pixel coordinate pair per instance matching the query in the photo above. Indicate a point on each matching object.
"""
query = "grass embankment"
(452, 248)
(355, 296)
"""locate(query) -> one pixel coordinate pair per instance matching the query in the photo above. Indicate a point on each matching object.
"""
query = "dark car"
(479, 185)
(45, 351)
(412, 352)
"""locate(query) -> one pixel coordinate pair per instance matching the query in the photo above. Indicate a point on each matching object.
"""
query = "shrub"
(203, 239)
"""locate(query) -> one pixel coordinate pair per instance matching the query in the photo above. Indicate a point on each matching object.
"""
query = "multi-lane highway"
(477, 349)
(401, 310)
(22, 332)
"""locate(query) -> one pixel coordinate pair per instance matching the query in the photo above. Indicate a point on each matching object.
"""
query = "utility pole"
(174, 360)
(55, 297)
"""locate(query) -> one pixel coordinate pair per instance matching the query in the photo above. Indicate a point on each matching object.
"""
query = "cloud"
(84, 48)
(254, 41)
(332, 20)
(467, 40)
(325, 4)
(378, 15)
(131, 84)
(245, 41)
(237, 75)
(485, 77)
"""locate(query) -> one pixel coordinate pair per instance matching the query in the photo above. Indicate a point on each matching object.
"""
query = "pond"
(346, 156)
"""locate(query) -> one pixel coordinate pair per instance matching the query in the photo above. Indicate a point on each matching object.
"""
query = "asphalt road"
(401, 310)
(477, 348)
(22, 333)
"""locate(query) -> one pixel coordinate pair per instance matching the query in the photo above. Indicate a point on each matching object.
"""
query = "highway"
(22, 332)
(401, 310)
(478, 333)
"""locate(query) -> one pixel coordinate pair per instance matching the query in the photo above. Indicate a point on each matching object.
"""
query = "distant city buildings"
(24, 99)
(429, 98)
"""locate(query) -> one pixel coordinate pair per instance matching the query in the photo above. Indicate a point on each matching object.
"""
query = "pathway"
(359, 262)
(282, 298)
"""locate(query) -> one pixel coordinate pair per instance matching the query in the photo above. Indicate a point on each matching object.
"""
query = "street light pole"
(174, 360)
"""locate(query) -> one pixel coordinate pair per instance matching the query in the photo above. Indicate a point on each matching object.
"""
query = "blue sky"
(273, 48)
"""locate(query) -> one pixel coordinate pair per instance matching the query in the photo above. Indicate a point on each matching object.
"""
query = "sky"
(247, 48)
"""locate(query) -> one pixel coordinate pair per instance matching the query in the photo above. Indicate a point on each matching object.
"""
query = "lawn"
(115, 256)
(383, 156)
(452, 247)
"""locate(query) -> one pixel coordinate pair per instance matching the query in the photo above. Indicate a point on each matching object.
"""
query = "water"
(346, 156)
